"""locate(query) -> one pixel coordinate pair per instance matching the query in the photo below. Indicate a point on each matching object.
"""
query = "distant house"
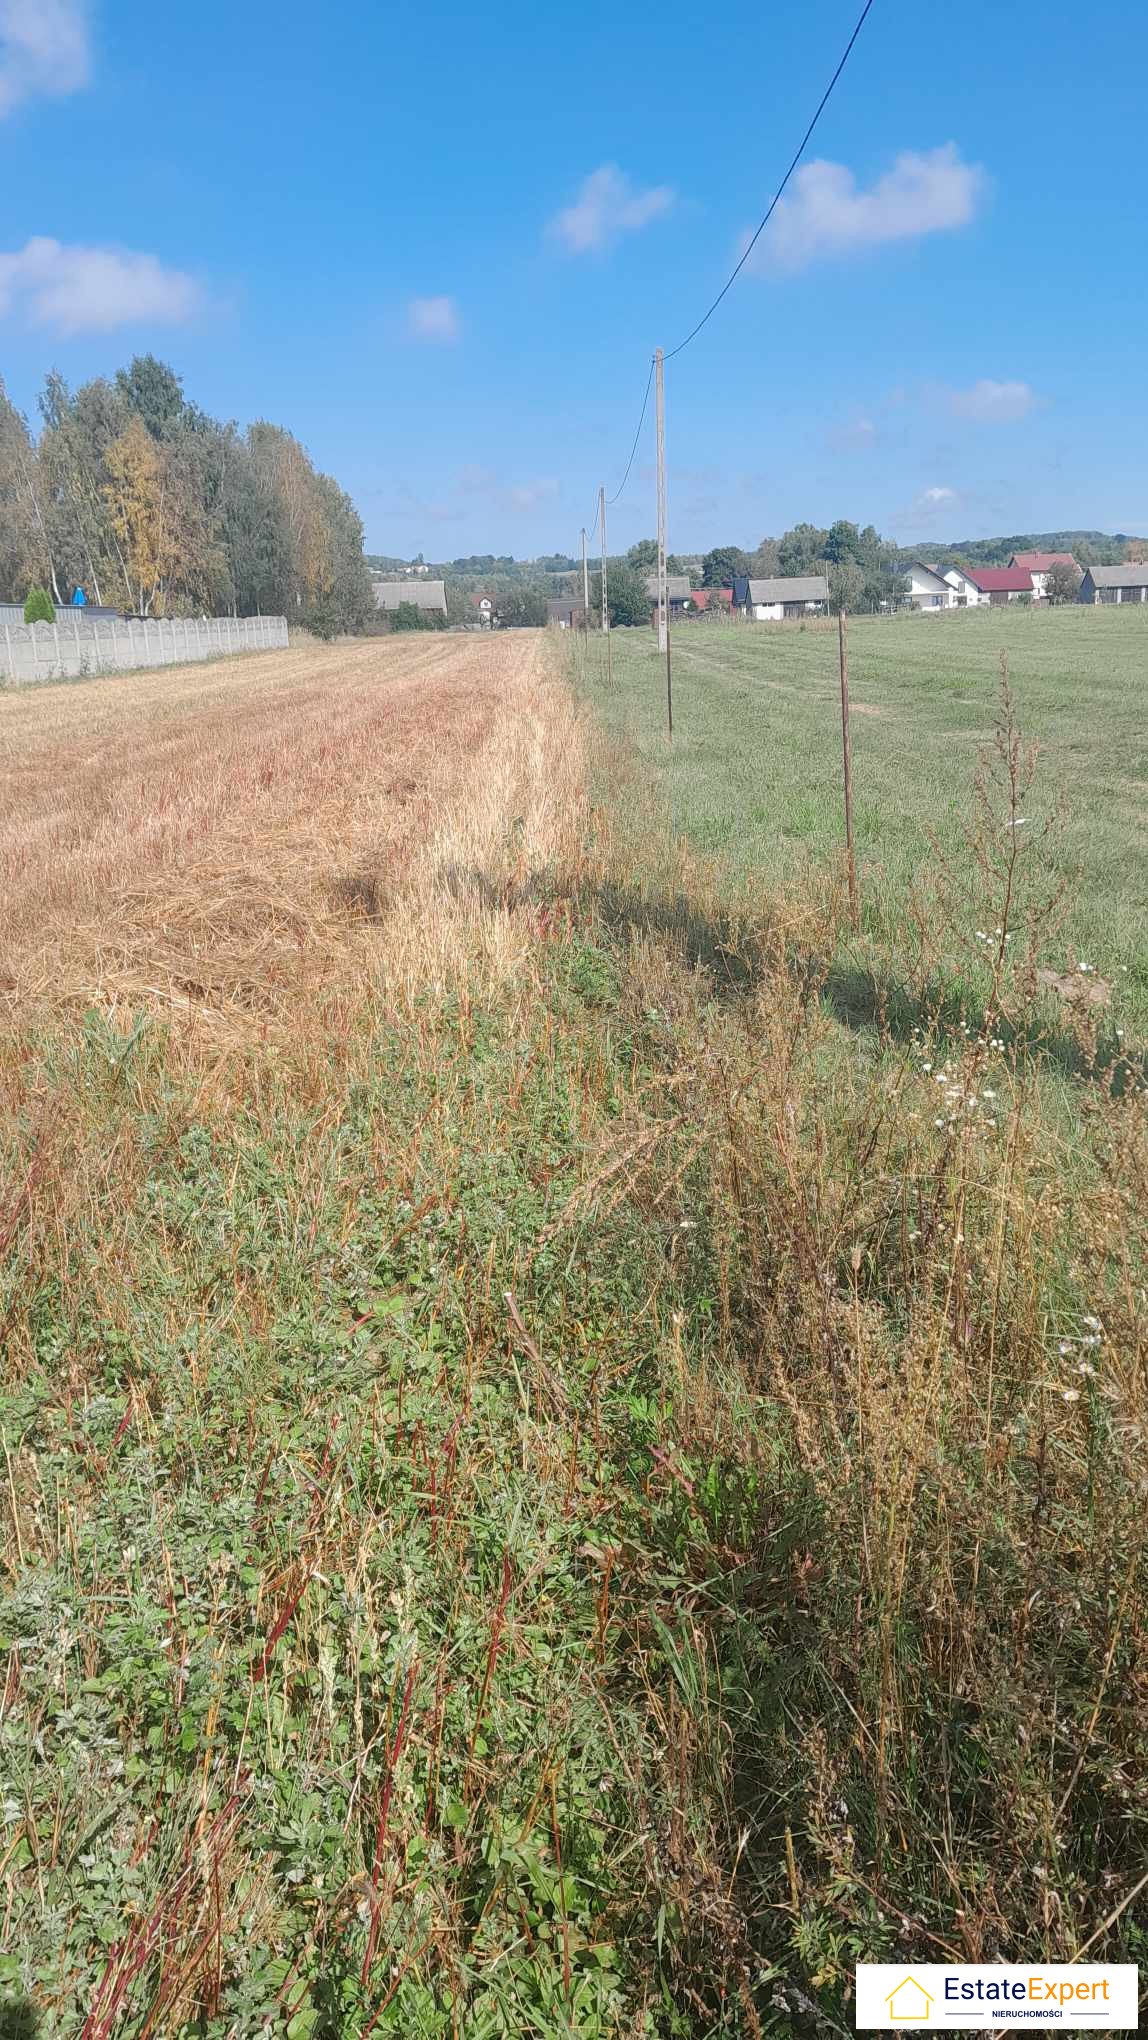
(928, 588)
(677, 591)
(711, 598)
(422, 594)
(1038, 564)
(784, 595)
(483, 606)
(1115, 584)
(1002, 584)
(566, 612)
(968, 590)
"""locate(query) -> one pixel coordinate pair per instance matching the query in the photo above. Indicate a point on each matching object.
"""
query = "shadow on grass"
(868, 1003)
(864, 1000)
(19, 2019)
(712, 944)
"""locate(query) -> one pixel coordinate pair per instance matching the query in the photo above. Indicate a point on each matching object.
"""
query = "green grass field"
(755, 770)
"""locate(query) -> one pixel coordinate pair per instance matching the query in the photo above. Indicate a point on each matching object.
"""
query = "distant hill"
(1090, 548)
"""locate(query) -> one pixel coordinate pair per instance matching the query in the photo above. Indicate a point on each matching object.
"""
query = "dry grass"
(549, 1486)
(220, 838)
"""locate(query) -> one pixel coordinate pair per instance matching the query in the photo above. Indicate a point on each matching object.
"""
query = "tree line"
(133, 493)
(862, 568)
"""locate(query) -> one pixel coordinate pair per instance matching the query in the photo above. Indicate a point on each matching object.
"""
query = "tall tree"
(799, 550)
(720, 566)
(643, 557)
(25, 555)
(763, 561)
(154, 393)
(144, 518)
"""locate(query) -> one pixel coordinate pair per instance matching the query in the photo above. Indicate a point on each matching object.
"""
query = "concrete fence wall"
(72, 648)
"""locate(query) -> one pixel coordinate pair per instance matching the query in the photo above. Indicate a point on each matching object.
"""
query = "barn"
(390, 595)
(784, 595)
(1115, 584)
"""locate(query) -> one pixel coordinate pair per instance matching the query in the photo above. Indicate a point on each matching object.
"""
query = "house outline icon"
(921, 2009)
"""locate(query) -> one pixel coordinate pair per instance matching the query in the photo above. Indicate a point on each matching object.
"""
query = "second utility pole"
(605, 590)
(663, 606)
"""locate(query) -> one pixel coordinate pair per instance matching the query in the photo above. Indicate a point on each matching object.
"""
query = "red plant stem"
(394, 1754)
(260, 1669)
(122, 1426)
(492, 1653)
(131, 1955)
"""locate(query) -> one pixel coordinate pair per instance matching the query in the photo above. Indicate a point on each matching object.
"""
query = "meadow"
(567, 1469)
(755, 773)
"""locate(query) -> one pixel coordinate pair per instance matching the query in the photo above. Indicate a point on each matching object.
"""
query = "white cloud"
(528, 495)
(607, 206)
(932, 506)
(92, 290)
(828, 214)
(993, 403)
(856, 437)
(487, 483)
(433, 318)
(43, 49)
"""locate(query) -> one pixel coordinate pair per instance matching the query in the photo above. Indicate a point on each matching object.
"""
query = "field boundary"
(77, 650)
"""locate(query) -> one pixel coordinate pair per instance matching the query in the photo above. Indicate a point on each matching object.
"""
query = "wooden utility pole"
(605, 588)
(663, 605)
(847, 758)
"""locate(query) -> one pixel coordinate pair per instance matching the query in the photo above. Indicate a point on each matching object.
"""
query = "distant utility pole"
(847, 760)
(585, 585)
(605, 588)
(663, 606)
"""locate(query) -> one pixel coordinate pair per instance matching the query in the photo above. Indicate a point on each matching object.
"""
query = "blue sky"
(441, 247)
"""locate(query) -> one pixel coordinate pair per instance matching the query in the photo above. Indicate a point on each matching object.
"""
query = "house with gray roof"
(389, 595)
(677, 591)
(1128, 583)
(782, 595)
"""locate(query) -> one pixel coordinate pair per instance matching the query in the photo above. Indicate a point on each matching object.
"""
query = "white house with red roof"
(1038, 563)
(968, 591)
(928, 588)
(975, 586)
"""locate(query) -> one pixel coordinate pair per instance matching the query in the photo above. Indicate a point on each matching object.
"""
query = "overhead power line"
(707, 315)
(633, 450)
(777, 196)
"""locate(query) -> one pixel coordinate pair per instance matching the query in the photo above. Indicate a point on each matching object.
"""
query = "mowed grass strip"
(755, 770)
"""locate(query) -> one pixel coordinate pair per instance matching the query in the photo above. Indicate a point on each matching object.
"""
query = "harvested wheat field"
(560, 1476)
(212, 837)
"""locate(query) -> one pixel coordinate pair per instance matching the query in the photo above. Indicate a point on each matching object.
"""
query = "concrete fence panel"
(73, 649)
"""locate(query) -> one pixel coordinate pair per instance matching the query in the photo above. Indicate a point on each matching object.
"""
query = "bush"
(408, 616)
(1062, 582)
(521, 609)
(39, 608)
(629, 602)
